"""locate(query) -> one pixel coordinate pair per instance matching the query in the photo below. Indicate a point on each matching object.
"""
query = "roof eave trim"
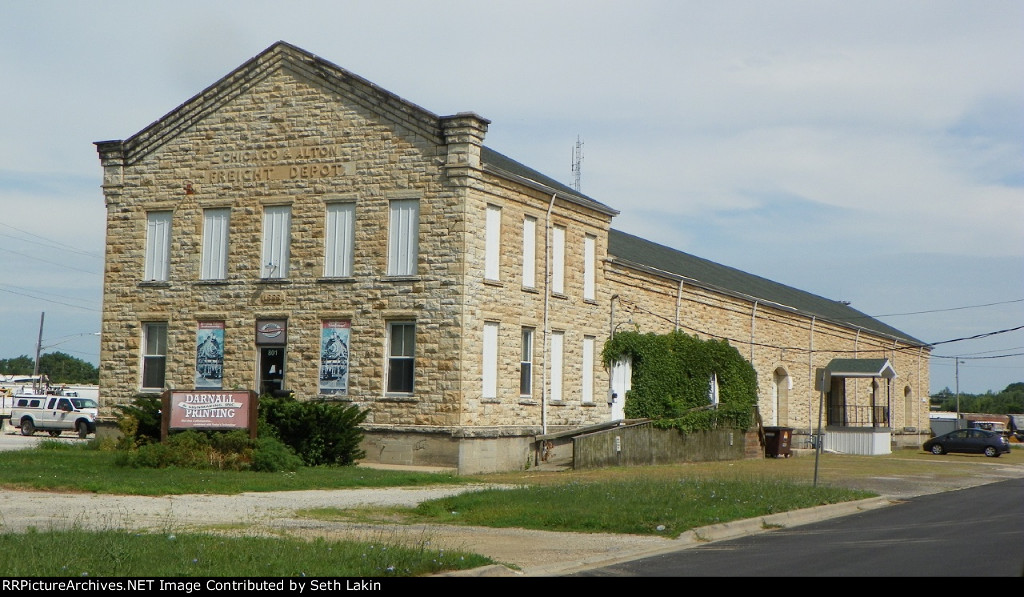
(550, 190)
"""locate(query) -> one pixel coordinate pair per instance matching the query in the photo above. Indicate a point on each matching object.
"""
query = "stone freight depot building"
(294, 227)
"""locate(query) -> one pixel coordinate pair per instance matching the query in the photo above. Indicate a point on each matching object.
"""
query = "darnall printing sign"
(210, 409)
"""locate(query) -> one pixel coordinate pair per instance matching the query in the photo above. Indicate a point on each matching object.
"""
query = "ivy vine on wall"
(672, 376)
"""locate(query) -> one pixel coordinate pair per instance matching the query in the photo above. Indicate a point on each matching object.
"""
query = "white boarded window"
(158, 246)
(529, 252)
(492, 256)
(588, 369)
(403, 237)
(490, 363)
(557, 342)
(277, 220)
(589, 259)
(339, 239)
(558, 260)
(215, 244)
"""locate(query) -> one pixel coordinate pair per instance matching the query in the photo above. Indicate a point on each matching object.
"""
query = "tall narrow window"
(529, 252)
(403, 237)
(557, 340)
(589, 266)
(277, 221)
(558, 260)
(158, 246)
(339, 239)
(154, 355)
(492, 251)
(490, 362)
(588, 369)
(526, 364)
(401, 357)
(215, 244)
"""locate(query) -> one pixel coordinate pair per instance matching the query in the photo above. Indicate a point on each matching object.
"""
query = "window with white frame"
(713, 389)
(589, 265)
(588, 369)
(526, 364)
(492, 251)
(401, 362)
(158, 246)
(277, 221)
(529, 252)
(154, 355)
(403, 237)
(558, 260)
(490, 360)
(557, 348)
(339, 239)
(215, 244)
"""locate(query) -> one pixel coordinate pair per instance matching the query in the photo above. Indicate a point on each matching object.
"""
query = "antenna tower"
(577, 163)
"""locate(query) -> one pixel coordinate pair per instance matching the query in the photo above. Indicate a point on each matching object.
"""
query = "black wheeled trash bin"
(778, 441)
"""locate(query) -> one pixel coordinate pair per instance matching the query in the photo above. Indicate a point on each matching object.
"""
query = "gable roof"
(642, 254)
(861, 368)
(360, 90)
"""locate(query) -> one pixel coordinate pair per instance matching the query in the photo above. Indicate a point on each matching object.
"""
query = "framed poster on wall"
(334, 350)
(210, 355)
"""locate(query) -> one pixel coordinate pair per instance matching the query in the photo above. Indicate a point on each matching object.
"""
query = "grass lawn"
(667, 499)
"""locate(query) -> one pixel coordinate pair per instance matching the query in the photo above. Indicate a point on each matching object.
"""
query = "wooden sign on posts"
(220, 410)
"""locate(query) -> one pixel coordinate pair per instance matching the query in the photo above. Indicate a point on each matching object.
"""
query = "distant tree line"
(1008, 402)
(59, 367)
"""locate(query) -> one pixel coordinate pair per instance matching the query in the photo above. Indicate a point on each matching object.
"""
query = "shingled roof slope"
(633, 250)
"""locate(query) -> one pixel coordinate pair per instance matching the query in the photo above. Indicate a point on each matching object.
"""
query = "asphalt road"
(973, 532)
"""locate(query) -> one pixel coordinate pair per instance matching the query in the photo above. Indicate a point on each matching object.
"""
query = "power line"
(50, 262)
(950, 309)
(53, 242)
(39, 298)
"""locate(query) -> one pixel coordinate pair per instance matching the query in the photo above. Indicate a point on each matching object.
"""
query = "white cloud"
(774, 137)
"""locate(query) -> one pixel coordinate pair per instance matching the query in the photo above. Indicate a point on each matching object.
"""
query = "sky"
(870, 152)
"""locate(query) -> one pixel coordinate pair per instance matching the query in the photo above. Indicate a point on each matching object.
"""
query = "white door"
(622, 381)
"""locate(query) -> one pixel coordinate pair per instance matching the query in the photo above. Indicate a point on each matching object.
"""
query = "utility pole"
(958, 392)
(39, 345)
(577, 164)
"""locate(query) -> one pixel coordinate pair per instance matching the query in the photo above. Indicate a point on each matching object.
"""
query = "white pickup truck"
(53, 414)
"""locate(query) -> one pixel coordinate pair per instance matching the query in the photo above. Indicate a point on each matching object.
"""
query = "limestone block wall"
(784, 347)
(289, 137)
(286, 141)
(514, 303)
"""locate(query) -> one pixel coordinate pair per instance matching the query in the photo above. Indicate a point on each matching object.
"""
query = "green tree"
(17, 366)
(1007, 402)
(63, 368)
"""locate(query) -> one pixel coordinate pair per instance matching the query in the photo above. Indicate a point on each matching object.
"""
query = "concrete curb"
(694, 538)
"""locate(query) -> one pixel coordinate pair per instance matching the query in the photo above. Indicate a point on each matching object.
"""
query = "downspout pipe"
(679, 302)
(810, 377)
(547, 323)
(753, 326)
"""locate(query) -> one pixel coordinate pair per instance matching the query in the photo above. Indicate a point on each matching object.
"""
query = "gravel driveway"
(525, 552)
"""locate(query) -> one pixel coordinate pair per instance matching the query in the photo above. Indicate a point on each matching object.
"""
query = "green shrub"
(271, 456)
(320, 433)
(139, 421)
